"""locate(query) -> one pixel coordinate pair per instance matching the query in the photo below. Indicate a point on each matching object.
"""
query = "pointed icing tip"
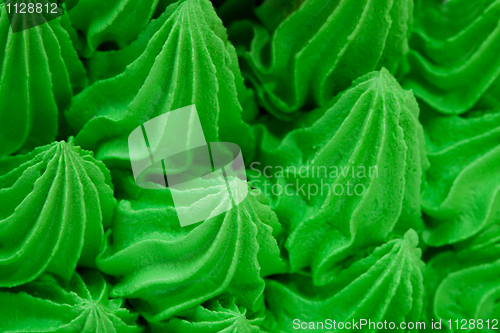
(377, 77)
(384, 71)
(63, 143)
(411, 237)
(386, 75)
(68, 146)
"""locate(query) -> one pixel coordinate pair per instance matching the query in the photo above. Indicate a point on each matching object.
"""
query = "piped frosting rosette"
(57, 201)
(39, 72)
(182, 58)
(454, 56)
(82, 306)
(302, 53)
(165, 269)
(350, 174)
(385, 286)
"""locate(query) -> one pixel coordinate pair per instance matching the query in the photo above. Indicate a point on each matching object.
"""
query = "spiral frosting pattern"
(164, 77)
(385, 285)
(164, 268)
(454, 44)
(39, 72)
(465, 283)
(321, 165)
(294, 60)
(114, 21)
(461, 195)
(363, 158)
(82, 306)
(57, 201)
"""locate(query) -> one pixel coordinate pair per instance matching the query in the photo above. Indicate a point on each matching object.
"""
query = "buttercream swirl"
(385, 285)
(82, 306)
(465, 283)
(182, 58)
(461, 195)
(164, 268)
(112, 21)
(39, 71)
(456, 43)
(372, 131)
(56, 202)
(304, 52)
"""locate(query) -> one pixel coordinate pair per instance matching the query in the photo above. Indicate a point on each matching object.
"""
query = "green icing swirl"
(115, 21)
(56, 201)
(82, 307)
(182, 58)
(475, 292)
(164, 268)
(454, 56)
(461, 195)
(386, 285)
(39, 71)
(319, 47)
(214, 316)
(465, 283)
(274, 257)
(373, 126)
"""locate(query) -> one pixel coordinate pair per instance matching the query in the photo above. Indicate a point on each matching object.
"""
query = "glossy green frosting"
(39, 72)
(461, 196)
(370, 133)
(385, 285)
(454, 56)
(164, 268)
(82, 306)
(302, 53)
(111, 21)
(375, 126)
(110, 109)
(56, 202)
